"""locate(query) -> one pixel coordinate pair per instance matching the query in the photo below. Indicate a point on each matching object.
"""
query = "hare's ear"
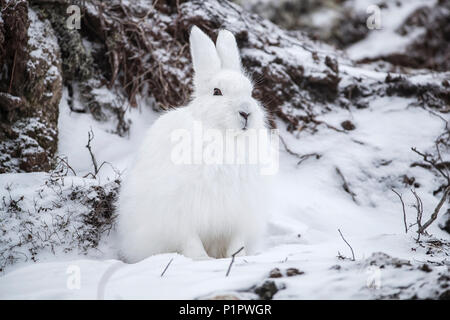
(228, 50)
(204, 56)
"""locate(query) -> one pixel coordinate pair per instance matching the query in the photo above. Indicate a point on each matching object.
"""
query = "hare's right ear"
(204, 56)
(228, 51)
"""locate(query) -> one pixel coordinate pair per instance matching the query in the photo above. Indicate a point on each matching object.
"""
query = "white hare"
(198, 210)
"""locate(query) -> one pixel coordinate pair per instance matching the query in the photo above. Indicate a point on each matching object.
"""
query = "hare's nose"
(244, 115)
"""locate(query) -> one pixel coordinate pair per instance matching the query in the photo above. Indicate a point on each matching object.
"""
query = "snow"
(323, 17)
(386, 40)
(311, 206)
(107, 146)
(43, 44)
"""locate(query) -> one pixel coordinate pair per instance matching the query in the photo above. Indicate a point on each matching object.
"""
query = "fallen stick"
(232, 260)
(167, 267)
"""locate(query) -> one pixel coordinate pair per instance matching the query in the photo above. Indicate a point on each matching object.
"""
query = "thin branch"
(353, 254)
(88, 146)
(67, 164)
(329, 126)
(403, 208)
(167, 267)
(301, 157)
(436, 211)
(232, 260)
(346, 186)
(419, 208)
(433, 163)
(94, 161)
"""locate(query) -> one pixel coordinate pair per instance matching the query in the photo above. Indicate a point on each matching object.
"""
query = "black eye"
(217, 92)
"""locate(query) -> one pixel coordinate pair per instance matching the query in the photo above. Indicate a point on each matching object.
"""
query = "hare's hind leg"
(193, 248)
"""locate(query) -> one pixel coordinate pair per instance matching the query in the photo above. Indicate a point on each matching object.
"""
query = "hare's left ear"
(228, 50)
(204, 57)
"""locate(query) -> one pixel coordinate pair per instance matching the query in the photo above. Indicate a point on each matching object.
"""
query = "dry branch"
(353, 254)
(421, 228)
(403, 208)
(66, 163)
(346, 186)
(167, 267)
(301, 157)
(88, 146)
(435, 163)
(94, 161)
(419, 209)
(435, 212)
(232, 261)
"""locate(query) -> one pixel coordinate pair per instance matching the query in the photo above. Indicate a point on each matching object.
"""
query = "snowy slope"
(387, 40)
(42, 256)
(310, 206)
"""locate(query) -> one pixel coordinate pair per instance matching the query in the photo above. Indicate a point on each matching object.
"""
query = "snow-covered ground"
(385, 39)
(312, 216)
(310, 206)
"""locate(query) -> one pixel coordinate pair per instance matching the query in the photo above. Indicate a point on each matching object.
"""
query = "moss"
(29, 106)
(13, 55)
(77, 63)
(79, 68)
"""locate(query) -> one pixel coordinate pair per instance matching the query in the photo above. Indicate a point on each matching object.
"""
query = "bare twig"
(88, 146)
(403, 208)
(340, 256)
(346, 186)
(301, 157)
(94, 161)
(428, 158)
(167, 267)
(435, 212)
(232, 260)
(67, 164)
(329, 126)
(419, 208)
(353, 254)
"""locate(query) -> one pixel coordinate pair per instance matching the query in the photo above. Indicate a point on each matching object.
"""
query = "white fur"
(199, 211)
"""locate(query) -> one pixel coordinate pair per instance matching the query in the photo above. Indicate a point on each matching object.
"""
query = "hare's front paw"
(202, 258)
(236, 248)
(193, 248)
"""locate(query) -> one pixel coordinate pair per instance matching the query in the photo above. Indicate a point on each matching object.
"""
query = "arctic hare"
(198, 210)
